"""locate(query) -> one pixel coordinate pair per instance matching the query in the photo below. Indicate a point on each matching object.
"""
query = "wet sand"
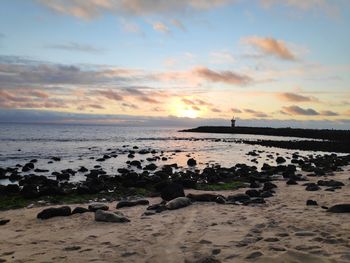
(282, 230)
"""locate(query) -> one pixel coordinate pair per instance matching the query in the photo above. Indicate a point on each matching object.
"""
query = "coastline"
(337, 141)
(282, 230)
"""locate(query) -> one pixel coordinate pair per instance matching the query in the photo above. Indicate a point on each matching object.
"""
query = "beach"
(282, 230)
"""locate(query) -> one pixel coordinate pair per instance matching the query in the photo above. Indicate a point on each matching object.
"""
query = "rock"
(252, 193)
(27, 167)
(132, 203)
(4, 221)
(150, 167)
(291, 182)
(204, 197)
(340, 208)
(271, 239)
(82, 169)
(29, 191)
(280, 159)
(53, 212)
(208, 259)
(105, 216)
(171, 191)
(216, 251)
(56, 159)
(95, 207)
(254, 184)
(304, 234)
(178, 202)
(311, 202)
(80, 210)
(191, 162)
(135, 163)
(12, 189)
(254, 255)
(269, 186)
(37, 170)
(312, 187)
(62, 177)
(238, 198)
(330, 183)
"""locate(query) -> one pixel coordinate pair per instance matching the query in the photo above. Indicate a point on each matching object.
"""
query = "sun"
(188, 113)
(181, 109)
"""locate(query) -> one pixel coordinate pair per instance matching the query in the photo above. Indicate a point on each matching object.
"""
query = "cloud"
(130, 27)
(228, 77)
(130, 105)
(271, 46)
(161, 27)
(296, 110)
(293, 97)
(178, 24)
(89, 9)
(75, 47)
(328, 6)
(329, 113)
(110, 94)
(234, 110)
(215, 110)
(257, 114)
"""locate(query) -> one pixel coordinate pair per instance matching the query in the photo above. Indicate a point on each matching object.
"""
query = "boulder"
(311, 202)
(178, 202)
(132, 203)
(312, 187)
(171, 191)
(191, 162)
(80, 210)
(340, 208)
(205, 197)
(4, 221)
(106, 216)
(53, 212)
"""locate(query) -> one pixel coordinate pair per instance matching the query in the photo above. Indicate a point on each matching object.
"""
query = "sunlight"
(188, 113)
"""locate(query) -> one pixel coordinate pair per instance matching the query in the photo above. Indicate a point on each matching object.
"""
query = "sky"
(176, 62)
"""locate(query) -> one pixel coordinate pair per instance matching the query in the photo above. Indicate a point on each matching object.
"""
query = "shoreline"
(283, 229)
(337, 141)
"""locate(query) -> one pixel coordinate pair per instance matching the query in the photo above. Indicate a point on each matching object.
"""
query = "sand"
(282, 230)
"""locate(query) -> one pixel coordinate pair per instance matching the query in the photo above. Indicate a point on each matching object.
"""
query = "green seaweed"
(220, 187)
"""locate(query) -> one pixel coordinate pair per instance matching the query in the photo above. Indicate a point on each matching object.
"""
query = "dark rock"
(56, 159)
(132, 203)
(135, 163)
(171, 191)
(37, 170)
(238, 198)
(254, 255)
(254, 184)
(100, 159)
(291, 182)
(311, 202)
(62, 177)
(340, 208)
(53, 212)
(4, 221)
(312, 187)
(27, 167)
(80, 210)
(269, 186)
(330, 183)
(280, 159)
(191, 162)
(95, 207)
(29, 191)
(105, 216)
(252, 193)
(204, 197)
(82, 169)
(150, 167)
(12, 189)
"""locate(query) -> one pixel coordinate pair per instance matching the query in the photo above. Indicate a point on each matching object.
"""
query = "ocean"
(81, 145)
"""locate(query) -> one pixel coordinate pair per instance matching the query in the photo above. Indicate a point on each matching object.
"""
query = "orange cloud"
(228, 77)
(293, 97)
(271, 46)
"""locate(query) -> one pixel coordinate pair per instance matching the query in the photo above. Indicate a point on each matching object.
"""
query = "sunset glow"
(262, 61)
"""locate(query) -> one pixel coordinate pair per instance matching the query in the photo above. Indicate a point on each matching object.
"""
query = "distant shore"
(331, 140)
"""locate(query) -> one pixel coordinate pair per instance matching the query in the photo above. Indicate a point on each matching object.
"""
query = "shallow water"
(76, 144)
